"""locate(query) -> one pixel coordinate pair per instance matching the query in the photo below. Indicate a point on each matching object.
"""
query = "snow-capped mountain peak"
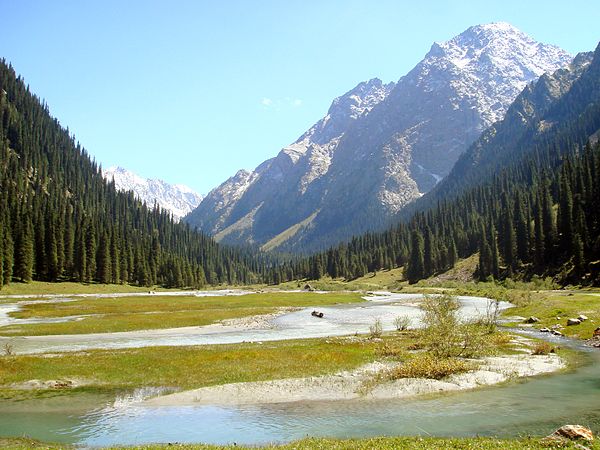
(179, 199)
(379, 146)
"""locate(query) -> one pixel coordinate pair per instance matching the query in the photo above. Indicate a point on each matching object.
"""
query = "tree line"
(539, 216)
(61, 220)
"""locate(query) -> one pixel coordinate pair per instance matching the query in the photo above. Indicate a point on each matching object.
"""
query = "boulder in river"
(571, 433)
(544, 330)
(573, 321)
(532, 319)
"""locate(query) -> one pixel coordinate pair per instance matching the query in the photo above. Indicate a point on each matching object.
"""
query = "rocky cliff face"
(541, 113)
(379, 146)
(175, 198)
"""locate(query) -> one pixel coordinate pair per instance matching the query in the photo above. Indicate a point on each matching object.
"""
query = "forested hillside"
(60, 220)
(529, 206)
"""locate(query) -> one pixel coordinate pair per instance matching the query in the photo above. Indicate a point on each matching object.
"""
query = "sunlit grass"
(383, 443)
(156, 311)
(191, 367)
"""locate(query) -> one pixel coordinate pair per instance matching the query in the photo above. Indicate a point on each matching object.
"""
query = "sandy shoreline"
(352, 385)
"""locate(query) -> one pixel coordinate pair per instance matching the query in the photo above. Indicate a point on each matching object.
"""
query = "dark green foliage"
(60, 220)
(415, 269)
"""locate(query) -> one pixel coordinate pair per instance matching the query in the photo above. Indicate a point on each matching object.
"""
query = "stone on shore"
(571, 433)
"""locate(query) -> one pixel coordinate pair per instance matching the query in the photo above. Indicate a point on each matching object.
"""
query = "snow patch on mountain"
(178, 199)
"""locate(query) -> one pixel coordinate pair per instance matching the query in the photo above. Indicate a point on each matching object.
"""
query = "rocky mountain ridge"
(179, 199)
(380, 146)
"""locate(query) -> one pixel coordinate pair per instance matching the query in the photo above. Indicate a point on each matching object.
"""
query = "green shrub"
(376, 330)
(427, 366)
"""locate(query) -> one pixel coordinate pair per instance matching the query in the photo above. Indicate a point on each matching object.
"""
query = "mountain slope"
(545, 111)
(525, 198)
(361, 173)
(286, 188)
(61, 220)
(178, 199)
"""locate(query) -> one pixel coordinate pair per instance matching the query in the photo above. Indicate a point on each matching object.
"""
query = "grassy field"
(156, 311)
(190, 367)
(66, 287)
(199, 366)
(382, 443)
(550, 306)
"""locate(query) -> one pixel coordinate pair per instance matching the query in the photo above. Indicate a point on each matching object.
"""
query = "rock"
(557, 317)
(308, 287)
(573, 321)
(557, 326)
(532, 319)
(597, 332)
(556, 333)
(544, 330)
(582, 318)
(317, 314)
(571, 433)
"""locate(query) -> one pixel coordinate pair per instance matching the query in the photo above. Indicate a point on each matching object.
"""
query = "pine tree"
(24, 255)
(415, 269)
(565, 215)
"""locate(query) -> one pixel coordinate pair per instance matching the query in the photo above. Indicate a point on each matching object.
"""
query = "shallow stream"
(531, 406)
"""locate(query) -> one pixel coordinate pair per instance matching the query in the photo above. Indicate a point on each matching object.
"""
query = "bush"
(402, 323)
(445, 336)
(543, 348)
(489, 320)
(8, 349)
(375, 330)
(390, 350)
(428, 366)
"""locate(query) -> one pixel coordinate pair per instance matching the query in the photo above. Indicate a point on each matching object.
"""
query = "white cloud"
(286, 102)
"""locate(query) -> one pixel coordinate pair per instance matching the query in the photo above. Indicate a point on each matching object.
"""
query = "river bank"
(358, 384)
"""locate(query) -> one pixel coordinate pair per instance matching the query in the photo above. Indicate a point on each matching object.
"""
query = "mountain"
(286, 188)
(524, 198)
(545, 111)
(380, 146)
(178, 199)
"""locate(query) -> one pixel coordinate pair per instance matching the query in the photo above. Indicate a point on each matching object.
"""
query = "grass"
(67, 287)
(156, 311)
(382, 279)
(547, 306)
(383, 443)
(200, 366)
(190, 367)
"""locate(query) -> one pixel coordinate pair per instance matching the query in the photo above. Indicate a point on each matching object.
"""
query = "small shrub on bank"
(376, 330)
(402, 323)
(428, 366)
(444, 335)
(542, 348)
(390, 350)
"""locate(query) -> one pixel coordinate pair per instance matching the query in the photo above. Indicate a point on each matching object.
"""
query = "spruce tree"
(415, 269)
(24, 254)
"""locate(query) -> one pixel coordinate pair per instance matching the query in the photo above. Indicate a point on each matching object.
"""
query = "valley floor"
(279, 371)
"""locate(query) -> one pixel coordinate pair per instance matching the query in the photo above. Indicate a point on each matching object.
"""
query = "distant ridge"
(175, 198)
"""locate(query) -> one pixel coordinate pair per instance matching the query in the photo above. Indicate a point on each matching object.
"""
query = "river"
(531, 406)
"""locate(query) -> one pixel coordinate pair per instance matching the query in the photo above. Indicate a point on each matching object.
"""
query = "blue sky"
(192, 91)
